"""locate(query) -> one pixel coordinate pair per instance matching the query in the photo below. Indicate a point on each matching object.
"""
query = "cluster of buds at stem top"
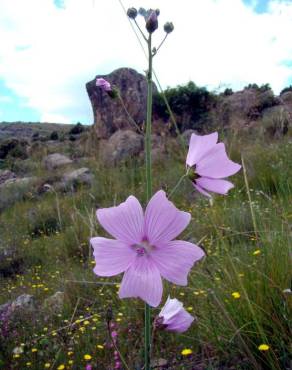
(151, 19)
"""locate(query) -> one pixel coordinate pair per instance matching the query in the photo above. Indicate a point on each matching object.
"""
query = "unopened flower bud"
(143, 12)
(152, 22)
(132, 13)
(168, 27)
(157, 11)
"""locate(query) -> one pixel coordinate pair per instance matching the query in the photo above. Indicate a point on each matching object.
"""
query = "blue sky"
(46, 60)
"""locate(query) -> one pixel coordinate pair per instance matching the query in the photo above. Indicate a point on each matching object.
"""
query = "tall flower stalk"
(148, 188)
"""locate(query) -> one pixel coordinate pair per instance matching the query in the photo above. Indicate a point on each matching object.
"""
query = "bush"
(77, 129)
(14, 148)
(286, 89)
(54, 135)
(189, 102)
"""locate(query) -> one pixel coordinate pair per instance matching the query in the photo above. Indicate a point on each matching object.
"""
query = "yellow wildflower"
(87, 357)
(257, 252)
(236, 295)
(263, 347)
(186, 352)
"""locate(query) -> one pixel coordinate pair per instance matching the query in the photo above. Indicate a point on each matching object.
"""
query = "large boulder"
(109, 114)
(122, 145)
(56, 160)
(243, 107)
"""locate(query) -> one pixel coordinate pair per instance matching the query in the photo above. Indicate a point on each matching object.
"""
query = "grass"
(236, 293)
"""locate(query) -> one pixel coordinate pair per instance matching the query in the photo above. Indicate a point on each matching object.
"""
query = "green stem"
(131, 120)
(148, 190)
(177, 185)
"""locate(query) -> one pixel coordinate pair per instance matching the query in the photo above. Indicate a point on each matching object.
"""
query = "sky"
(49, 49)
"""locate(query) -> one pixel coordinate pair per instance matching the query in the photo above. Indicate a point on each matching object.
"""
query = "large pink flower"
(144, 248)
(210, 163)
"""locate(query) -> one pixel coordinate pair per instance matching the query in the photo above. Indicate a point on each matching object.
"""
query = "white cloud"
(47, 58)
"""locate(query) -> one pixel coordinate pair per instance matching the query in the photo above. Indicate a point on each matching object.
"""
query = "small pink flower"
(210, 163)
(174, 317)
(103, 84)
(144, 248)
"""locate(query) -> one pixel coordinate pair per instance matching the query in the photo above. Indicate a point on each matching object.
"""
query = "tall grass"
(236, 293)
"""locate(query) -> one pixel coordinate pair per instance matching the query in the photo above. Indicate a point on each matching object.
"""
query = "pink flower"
(144, 247)
(174, 317)
(210, 163)
(103, 84)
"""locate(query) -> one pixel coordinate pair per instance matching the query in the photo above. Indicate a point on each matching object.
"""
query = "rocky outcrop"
(242, 107)
(56, 160)
(109, 114)
(122, 145)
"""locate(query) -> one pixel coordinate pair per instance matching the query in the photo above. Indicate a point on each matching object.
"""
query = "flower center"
(191, 173)
(143, 248)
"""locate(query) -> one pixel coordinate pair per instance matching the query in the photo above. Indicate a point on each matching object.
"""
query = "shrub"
(77, 129)
(189, 102)
(286, 89)
(54, 135)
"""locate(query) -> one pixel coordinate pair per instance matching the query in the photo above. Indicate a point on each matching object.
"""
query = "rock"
(55, 302)
(15, 190)
(82, 176)
(122, 145)
(56, 160)
(243, 107)
(24, 302)
(20, 182)
(6, 175)
(109, 114)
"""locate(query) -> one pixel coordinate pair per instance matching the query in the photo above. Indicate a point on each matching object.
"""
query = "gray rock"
(24, 302)
(56, 160)
(109, 114)
(82, 176)
(122, 145)
(55, 302)
(6, 175)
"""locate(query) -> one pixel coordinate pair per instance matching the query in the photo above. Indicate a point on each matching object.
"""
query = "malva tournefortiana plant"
(144, 247)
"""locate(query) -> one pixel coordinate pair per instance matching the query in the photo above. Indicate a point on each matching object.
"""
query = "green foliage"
(77, 129)
(54, 135)
(14, 148)
(189, 102)
(286, 89)
(240, 259)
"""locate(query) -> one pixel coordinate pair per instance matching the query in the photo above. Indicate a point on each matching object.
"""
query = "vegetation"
(189, 103)
(237, 293)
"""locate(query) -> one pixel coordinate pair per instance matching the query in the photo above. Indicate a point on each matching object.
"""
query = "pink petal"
(163, 221)
(199, 146)
(142, 280)
(202, 191)
(215, 164)
(214, 185)
(175, 259)
(171, 308)
(111, 256)
(180, 322)
(125, 222)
